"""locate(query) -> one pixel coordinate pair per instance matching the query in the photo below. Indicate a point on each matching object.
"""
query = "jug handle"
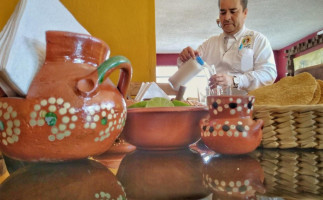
(88, 86)
(259, 123)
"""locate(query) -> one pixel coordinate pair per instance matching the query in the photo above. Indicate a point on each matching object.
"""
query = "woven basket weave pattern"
(298, 174)
(291, 126)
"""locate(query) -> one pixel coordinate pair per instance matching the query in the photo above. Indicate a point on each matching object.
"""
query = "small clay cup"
(229, 127)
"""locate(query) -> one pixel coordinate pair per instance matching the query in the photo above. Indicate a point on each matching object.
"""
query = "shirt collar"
(237, 35)
(240, 33)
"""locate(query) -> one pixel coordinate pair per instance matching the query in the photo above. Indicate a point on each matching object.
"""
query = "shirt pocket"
(245, 59)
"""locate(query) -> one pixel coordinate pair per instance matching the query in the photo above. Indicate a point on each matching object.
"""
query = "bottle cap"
(199, 60)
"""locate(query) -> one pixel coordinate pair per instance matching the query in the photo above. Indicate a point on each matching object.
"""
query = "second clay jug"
(229, 127)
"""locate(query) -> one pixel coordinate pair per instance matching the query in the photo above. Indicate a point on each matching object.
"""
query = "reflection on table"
(83, 179)
(162, 175)
(292, 173)
(236, 177)
(182, 174)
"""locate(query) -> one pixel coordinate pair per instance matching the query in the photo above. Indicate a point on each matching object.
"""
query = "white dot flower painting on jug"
(229, 127)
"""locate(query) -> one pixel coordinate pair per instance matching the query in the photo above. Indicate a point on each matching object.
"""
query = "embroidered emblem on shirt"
(247, 42)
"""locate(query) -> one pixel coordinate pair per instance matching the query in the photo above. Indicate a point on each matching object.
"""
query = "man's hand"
(223, 80)
(188, 53)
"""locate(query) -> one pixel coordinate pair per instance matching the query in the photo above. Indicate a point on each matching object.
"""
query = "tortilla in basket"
(321, 85)
(291, 90)
(317, 94)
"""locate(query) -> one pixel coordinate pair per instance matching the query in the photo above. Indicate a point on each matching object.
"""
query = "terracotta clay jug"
(229, 127)
(72, 109)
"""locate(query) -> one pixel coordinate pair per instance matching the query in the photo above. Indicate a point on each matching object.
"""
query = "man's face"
(232, 16)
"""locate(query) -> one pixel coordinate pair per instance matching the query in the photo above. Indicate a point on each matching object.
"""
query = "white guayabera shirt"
(247, 55)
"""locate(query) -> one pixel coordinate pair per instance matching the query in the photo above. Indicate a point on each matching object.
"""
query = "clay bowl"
(83, 179)
(27, 133)
(163, 128)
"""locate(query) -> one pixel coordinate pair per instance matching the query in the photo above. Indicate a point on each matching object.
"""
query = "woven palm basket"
(297, 126)
(292, 174)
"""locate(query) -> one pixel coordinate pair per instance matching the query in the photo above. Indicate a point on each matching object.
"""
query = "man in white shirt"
(242, 58)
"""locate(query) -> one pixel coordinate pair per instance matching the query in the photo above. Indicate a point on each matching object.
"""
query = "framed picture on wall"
(310, 59)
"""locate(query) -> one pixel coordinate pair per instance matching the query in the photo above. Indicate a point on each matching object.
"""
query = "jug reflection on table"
(82, 179)
(233, 177)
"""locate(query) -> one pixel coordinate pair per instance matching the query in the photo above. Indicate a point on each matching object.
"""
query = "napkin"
(150, 90)
(23, 42)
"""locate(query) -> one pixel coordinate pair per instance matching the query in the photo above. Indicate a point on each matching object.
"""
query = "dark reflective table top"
(182, 174)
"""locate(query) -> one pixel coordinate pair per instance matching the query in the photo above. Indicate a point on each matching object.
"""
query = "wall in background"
(166, 59)
(280, 56)
(128, 27)
(281, 62)
(6, 9)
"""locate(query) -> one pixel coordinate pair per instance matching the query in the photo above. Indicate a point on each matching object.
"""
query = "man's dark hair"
(244, 3)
